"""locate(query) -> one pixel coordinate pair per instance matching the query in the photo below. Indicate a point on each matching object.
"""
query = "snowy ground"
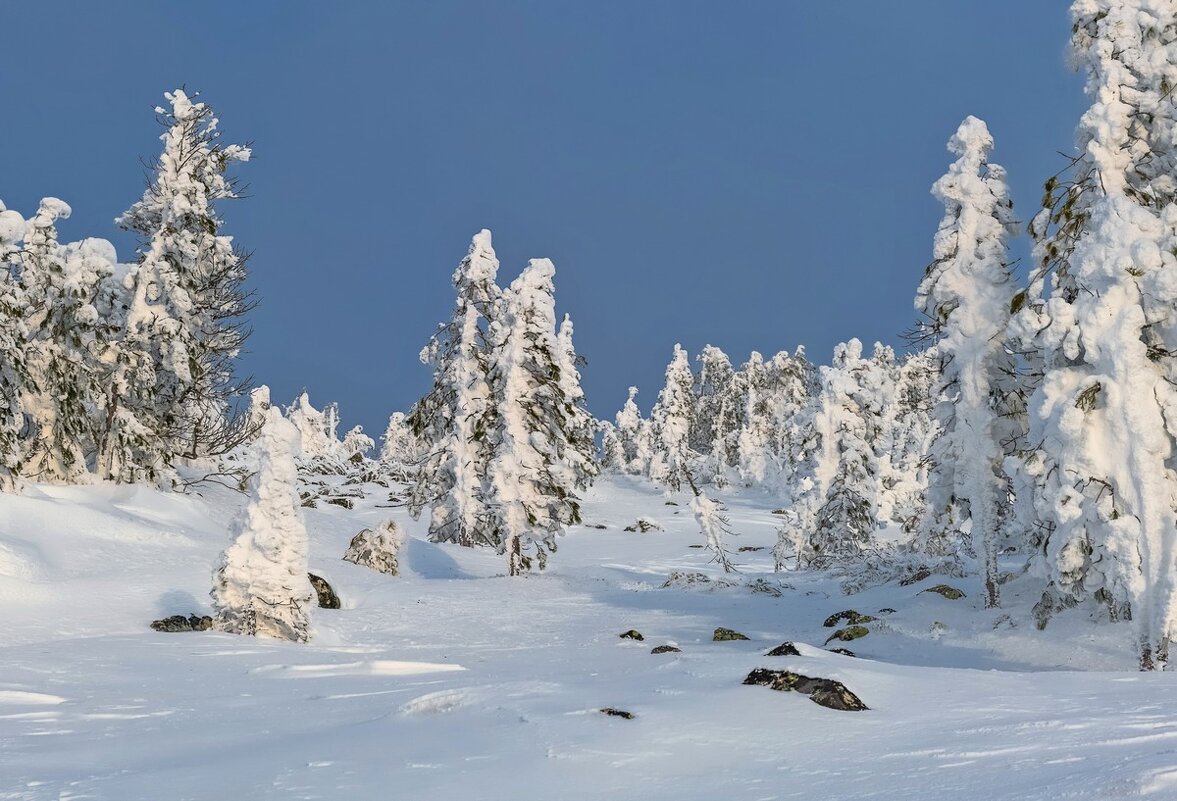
(456, 682)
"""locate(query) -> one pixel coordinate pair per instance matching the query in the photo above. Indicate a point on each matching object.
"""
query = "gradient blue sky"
(753, 175)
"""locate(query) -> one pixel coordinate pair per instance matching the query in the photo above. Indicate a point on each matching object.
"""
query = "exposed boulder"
(632, 634)
(327, 597)
(377, 548)
(618, 713)
(784, 649)
(951, 593)
(850, 616)
(849, 633)
(915, 577)
(723, 635)
(643, 525)
(824, 692)
(181, 623)
(666, 649)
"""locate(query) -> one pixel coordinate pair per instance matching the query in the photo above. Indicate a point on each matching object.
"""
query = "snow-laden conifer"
(670, 423)
(260, 584)
(579, 458)
(451, 421)
(173, 386)
(13, 339)
(66, 336)
(632, 436)
(399, 449)
(529, 491)
(715, 428)
(1105, 411)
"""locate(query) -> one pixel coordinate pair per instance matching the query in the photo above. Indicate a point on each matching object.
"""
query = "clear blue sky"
(753, 175)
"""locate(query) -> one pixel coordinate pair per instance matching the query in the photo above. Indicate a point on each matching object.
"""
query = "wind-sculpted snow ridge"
(453, 680)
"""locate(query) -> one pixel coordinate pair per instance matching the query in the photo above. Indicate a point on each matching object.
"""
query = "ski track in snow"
(454, 681)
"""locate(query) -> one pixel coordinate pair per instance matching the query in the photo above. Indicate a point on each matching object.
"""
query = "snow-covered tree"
(173, 388)
(714, 524)
(792, 380)
(529, 492)
(612, 448)
(66, 335)
(757, 457)
(452, 420)
(579, 458)
(633, 436)
(965, 297)
(1105, 411)
(909, 430)
(260, 584)
(716, 425)
(399, 449)
(13, 338)
(847, 517)
(670, 422)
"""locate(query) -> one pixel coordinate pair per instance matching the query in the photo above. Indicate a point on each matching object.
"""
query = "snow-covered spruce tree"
(66, 335)
(965, 298)
(320, 451)
(13, 338)
(579, 458)
(670, 423)
(757, 456)
(612, 450)
(529, 490)
(173, 391)
(878, 384)
(452, 420)
(793, 381)
(847, 518)
(260, 584)
(716, 424)
(633, 436)
(1105, 412)
(399, 449)
(910, 429)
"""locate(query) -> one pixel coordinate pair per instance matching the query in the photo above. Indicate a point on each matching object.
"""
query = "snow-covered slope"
(454, 681)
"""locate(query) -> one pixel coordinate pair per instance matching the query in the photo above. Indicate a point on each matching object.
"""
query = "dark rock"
(618, 713)
(309, 503)
(850, 616)
(327, 597)
(749, 548)
(181, 623)
(346, 503)
(915, 577)
(643, 525)
(951, 593)
(849, 633)
(762, 586)
(632, 634)
(886, 610)
(666, 649)
(600, 526)
(824, 692)
(723, 635)
(670, 503)
(784, 649)
(680, 579)
(696, 546)
(780, 511)
(843, 652)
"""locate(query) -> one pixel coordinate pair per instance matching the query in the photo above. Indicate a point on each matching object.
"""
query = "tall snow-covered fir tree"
(909, 431)
(670, 423)
(66, 334)
(529, 490)
(173, 389)
(580, 456)
(633, 436)
(847, 518)
(757, 455)
(399, 449)
(716, 426)
(1105, 331)
(260, 584)
(452, 420)
(13, 340)
(965, 298)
